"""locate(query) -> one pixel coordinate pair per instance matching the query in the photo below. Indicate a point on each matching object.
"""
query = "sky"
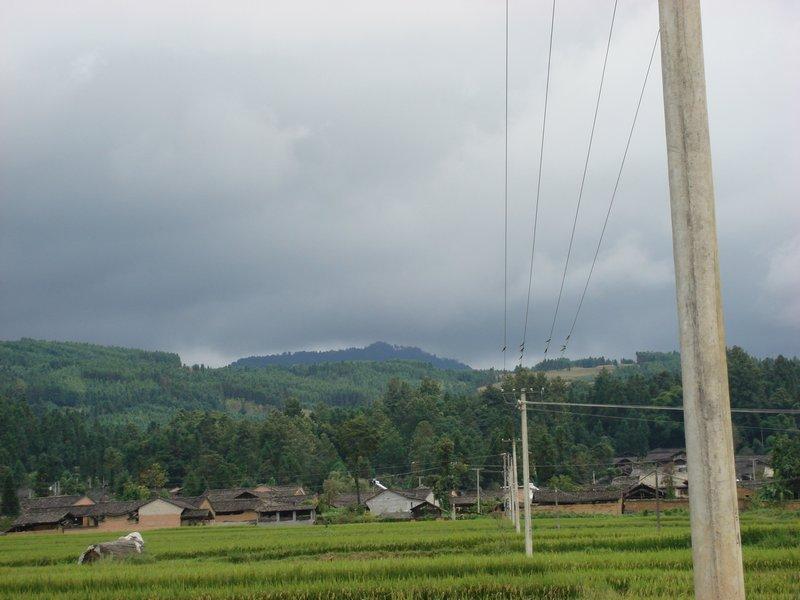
(222, 179)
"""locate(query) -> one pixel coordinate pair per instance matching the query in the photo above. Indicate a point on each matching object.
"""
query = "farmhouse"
(606, 501)
(403, 504)
(113, 516)
(753, 468)
(667, 456)
(46, 520)
(262, 505)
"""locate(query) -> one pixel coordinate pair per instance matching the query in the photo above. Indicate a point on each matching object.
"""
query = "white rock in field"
(121, 547)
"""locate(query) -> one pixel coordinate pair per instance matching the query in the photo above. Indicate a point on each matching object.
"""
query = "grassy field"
(587, 557)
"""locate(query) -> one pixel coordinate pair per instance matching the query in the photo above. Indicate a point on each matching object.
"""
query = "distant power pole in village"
(515, 483)
(478, 486)
(526, 474)
(716, 540)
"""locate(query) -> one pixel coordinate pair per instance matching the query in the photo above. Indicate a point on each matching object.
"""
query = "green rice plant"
(593, 557)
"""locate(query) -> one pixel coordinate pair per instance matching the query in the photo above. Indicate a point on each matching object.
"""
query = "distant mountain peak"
(377, 351)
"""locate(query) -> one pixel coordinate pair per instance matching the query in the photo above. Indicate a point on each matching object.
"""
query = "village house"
(753, 468)
(667, 457)
(113, 516)
(607, 501)
(56, 519)
(171, 512)
(260, 505)
(403, 504)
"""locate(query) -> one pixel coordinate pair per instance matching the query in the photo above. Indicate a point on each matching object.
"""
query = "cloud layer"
(226, 181)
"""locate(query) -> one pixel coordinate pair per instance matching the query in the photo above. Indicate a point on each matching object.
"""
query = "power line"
(614, 193)
(644, 419)
(505, 232)
(765, 411)
(583, 180)
(538, 185)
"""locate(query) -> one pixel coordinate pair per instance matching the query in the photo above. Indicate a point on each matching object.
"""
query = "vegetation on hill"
(558, 364)
(378, 352)
(104, 381)
(397, 421)
(80, 414)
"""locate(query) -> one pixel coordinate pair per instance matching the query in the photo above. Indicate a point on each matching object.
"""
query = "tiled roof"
(414, 493)
(234, 506)
(40, 517)
(663, 454)
(114, 508)
(579, 497)
(49, 502)
(228, 494)
(283, 490)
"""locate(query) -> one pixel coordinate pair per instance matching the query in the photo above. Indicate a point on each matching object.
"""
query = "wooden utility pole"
(526, 473)
(714, 515)
(515, 482)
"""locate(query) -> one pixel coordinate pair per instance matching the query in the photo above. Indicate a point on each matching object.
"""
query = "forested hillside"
(55, 401)
(152, 385)
(377, 352)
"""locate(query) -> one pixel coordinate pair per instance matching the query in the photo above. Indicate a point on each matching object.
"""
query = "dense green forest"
(152, 385)
(60, 407)
(377, 352)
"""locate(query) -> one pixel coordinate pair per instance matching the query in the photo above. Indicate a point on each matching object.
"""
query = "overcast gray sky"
(230, 178)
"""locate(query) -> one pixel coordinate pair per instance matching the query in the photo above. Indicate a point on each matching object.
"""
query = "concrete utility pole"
(658, 503)
(526, 473)
(515, 482)
(558, 521)
(478, 486)
(714, 515)
(507, 484)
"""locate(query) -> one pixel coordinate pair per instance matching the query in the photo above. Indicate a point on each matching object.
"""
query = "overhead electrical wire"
(538, 186)
(762, 411)
(645, 419)
(505, 224)
(613, 194)
(583, 180)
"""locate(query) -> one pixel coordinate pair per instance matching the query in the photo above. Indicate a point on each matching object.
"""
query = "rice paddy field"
(578, 557)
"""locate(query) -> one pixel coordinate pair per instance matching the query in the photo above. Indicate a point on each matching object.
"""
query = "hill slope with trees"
(377, 352)
(57, 404)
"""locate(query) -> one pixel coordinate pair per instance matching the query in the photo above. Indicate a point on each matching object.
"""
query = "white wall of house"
(391, 503)
(159, 513)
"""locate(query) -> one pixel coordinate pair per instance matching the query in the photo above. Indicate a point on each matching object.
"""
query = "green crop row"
(594, 557)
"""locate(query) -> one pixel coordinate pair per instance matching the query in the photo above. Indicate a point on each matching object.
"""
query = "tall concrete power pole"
(507, 484)
(526, 473)
(515, 482)
(716, 541)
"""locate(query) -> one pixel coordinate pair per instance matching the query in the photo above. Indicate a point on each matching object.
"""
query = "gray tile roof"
(40, 517)
(114, 508)
(49, 502)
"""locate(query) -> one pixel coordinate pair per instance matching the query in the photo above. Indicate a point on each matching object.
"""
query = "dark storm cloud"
(224, 181)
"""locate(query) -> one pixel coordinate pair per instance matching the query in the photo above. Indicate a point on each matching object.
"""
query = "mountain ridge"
(375, 352)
